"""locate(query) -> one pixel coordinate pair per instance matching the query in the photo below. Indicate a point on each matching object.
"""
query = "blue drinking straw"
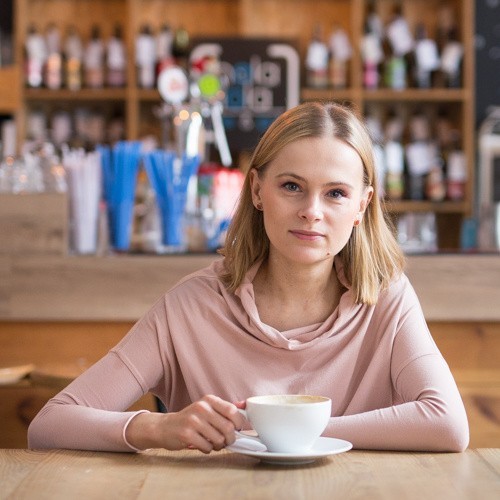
(170, 183)
(120, 166)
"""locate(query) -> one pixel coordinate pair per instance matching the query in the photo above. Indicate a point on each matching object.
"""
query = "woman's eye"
(291, 186)
(336, 193)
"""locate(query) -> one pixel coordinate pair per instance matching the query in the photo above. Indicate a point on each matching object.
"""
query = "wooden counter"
(186, 474)
(122, 288)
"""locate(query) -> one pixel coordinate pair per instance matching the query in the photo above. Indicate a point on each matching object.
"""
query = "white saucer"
(323, 447)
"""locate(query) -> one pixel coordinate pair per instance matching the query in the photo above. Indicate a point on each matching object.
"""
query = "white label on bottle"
(457, 166)
(427, 55)
(371, 49)
(418, 156)
(394, 157)
(451, 57)
(400, 37)
(340, 45)
(317, 56)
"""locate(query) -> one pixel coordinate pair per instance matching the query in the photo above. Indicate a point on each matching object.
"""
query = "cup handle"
(240, 434)
(243, 435)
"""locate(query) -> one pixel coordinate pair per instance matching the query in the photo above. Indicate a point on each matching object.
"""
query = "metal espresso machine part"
(489, 182)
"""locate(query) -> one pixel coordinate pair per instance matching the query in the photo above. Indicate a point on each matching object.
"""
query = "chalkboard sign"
(487, 43)
(263, 79)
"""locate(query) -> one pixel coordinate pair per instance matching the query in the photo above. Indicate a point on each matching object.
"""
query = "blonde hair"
(372, 257)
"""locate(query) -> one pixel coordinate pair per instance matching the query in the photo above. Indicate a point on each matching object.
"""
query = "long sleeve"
(432, 419)
(427, 412)
(90, 414)
(390, 387)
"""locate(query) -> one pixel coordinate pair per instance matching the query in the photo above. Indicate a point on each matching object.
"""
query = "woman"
(310, 297)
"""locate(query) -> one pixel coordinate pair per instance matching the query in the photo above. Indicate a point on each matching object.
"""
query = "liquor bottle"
(317, 61)
(53, 74)
(401, 45)
(451, 61)
(164, 48)
(372, 54)
(73, 57)
(145, 58)
(180, 47)
(456, 170)
(116, 59)
(340, 53)
(93, 60)
(36, 56)
(425, 169)
(394, 158)
(426, 58)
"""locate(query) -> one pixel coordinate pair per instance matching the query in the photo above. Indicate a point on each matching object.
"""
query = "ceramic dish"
(323, 447)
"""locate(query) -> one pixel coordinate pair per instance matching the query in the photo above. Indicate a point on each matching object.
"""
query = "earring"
(357, 222)
(259, 206)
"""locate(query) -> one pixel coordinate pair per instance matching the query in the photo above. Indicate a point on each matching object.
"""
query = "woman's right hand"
(206, 425)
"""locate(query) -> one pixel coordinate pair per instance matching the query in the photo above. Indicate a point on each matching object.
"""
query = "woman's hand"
(206, 425)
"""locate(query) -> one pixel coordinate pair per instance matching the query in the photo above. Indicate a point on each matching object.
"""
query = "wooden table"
(63, 474)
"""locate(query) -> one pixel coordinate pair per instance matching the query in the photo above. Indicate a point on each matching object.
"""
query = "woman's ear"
(365, 199)
(255, 187)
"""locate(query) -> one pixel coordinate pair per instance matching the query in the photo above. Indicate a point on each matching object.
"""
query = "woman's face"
(311, 195)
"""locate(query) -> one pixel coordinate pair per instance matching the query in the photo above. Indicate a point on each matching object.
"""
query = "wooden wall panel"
(34, 224)
(10, 89)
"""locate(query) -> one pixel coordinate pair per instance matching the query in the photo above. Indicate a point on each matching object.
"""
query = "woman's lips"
(306, 235)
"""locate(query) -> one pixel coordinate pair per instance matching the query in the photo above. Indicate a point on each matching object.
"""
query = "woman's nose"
(311, 209)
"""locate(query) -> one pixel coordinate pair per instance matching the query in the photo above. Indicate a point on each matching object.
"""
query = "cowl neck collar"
(297, 338)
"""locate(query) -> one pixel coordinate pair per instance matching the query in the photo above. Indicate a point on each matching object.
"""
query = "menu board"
(261, 79)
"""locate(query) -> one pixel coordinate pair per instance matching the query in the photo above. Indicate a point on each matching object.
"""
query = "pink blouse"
(390, 386)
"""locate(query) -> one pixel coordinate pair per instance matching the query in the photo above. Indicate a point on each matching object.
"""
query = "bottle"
(456, 170)
(340, 53)
(421, 157)
(53, 67)
(116, 59)
(451, 61)
(36, 56)
(180, 48)
(372, 55)
(317, 61)
(73, 56)
(394, 158)
(401, 46)
(164, 48)
(145, 58)
(94, 60)
(426, 58)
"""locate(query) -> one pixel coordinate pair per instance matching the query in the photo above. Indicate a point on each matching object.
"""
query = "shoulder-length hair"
(371, 258)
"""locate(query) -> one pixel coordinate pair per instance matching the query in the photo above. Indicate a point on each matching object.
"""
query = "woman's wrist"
(139, 432)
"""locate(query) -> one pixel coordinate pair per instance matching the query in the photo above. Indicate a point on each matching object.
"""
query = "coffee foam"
(288, 399)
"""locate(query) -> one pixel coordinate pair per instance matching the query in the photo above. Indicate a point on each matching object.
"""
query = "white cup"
(288, 423)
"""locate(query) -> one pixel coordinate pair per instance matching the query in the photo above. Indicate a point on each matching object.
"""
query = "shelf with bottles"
(416, 44)
(420, 156)
(435, 95)
(102, 94)
(74, 124)
(64, 49)
(438, 207)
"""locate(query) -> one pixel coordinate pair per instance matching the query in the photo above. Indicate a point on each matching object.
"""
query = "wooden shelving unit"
(253, 18)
